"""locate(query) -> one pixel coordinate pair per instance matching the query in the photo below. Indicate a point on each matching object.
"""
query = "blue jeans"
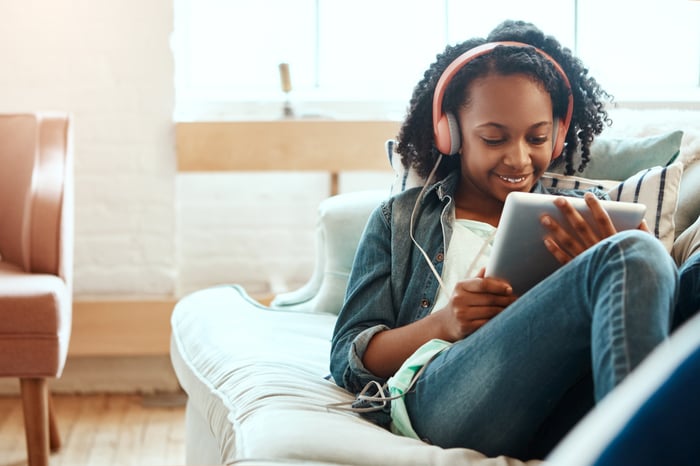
(595, 318)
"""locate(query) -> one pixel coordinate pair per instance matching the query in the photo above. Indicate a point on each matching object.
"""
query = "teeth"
(512, 180)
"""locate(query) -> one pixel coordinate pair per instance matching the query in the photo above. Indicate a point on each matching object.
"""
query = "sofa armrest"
(341, 221)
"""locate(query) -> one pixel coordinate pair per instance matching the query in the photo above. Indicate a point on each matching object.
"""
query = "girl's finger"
(600, 216)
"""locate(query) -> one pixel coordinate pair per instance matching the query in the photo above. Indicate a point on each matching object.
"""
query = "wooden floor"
(103, 430)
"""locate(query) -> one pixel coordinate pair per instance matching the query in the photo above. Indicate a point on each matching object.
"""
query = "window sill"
(283, 145)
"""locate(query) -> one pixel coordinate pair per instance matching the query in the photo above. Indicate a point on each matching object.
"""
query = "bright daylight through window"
(366, 56)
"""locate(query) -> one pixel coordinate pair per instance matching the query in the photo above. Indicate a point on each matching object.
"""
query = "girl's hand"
(565, 246)
(474, 302)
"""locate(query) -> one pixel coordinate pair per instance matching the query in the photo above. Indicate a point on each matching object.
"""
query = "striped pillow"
(656, 187)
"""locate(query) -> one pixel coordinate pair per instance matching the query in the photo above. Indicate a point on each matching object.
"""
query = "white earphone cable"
(377, 402)
(412, 221)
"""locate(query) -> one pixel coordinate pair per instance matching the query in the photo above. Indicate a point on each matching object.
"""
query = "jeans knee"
(641, 249)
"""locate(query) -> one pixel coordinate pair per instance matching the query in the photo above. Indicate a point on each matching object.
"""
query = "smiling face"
(506, 128)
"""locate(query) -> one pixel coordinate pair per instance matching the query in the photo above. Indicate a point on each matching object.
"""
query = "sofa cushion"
(688, 198)
(256, 377)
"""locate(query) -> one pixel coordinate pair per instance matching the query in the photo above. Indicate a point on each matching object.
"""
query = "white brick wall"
(109, 64)
(141, 229)
(256, 229)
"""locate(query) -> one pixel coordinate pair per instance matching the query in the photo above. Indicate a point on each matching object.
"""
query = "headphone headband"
(444, 125)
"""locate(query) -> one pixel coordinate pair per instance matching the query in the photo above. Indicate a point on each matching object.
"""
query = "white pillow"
(656, 187)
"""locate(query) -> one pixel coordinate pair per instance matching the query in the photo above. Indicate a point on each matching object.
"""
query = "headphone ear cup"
(559, 139)
(455, 136)
(447, 139)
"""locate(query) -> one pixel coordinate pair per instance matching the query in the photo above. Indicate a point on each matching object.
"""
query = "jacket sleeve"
(368, 306)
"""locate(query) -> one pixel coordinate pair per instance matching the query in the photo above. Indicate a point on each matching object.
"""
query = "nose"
(518, 155)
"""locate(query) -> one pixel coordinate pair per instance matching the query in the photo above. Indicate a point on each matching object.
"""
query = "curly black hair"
(416, 143)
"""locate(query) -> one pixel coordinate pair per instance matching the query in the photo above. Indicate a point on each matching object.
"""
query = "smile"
(509, 179)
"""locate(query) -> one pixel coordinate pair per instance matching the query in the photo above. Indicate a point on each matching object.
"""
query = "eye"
(493, 141)
(539, 140)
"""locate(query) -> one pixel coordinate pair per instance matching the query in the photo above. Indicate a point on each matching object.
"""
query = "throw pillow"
(618, 159)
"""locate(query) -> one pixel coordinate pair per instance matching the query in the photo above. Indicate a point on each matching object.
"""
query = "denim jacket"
(390, 284)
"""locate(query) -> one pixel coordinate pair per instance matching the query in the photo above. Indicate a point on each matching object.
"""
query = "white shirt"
(467, 253)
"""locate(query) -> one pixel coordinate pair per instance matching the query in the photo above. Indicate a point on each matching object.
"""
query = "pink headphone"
(446, 126)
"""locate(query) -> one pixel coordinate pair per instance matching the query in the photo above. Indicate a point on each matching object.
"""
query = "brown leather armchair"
(36, 262)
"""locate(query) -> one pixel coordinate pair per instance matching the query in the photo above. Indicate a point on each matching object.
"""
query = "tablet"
(518, 254)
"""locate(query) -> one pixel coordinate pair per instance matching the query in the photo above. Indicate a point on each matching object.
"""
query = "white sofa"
(254, 375)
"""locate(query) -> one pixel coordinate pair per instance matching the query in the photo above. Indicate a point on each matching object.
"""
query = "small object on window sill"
(286, 82)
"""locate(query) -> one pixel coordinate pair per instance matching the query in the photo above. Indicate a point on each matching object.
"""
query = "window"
(642, 49)
(354, 56)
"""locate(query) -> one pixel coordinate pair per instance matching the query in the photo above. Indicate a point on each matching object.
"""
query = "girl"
(474, 365)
